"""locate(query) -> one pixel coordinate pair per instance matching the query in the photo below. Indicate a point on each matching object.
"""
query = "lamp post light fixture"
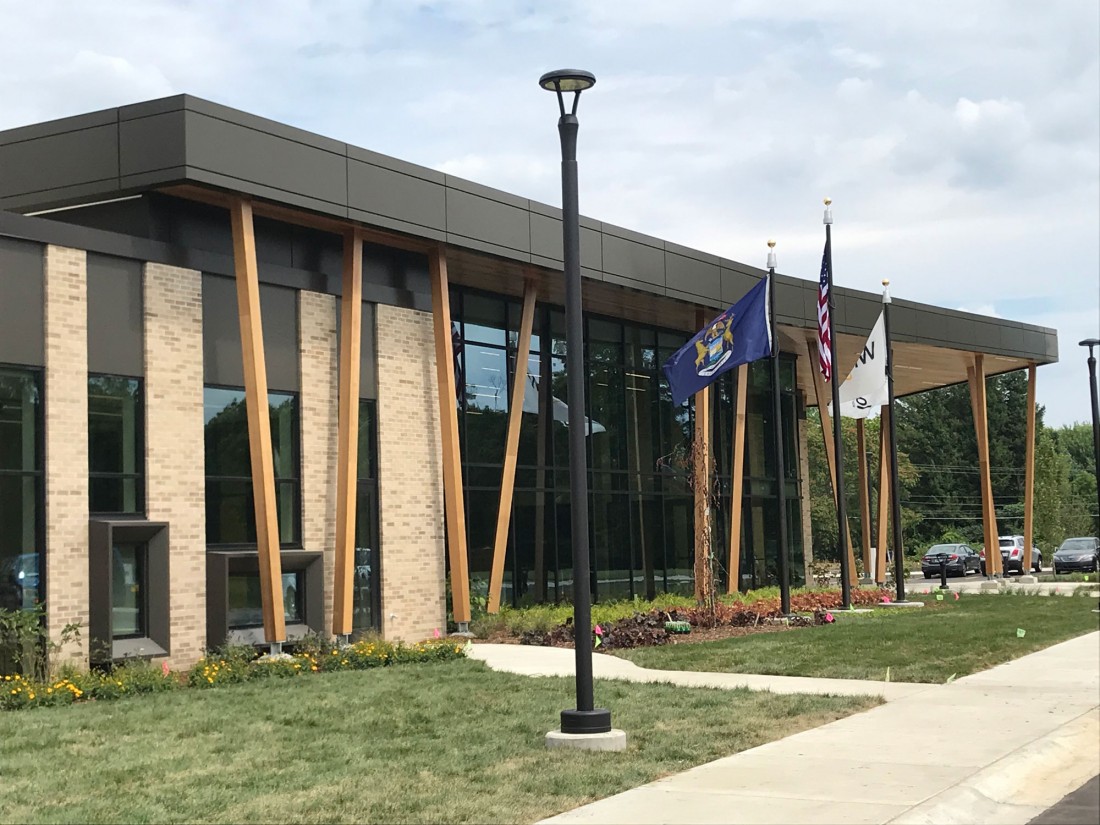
(1090, 343)
(584, 719)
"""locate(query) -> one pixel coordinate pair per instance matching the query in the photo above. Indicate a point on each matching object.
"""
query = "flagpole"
(780, 475)
(895, 498)
(838, 439)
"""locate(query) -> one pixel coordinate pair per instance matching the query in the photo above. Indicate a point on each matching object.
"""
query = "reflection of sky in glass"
(486, 378)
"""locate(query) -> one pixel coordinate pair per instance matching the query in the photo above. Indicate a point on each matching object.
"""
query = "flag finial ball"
(886, 282)
(828, 201)
(771, 244)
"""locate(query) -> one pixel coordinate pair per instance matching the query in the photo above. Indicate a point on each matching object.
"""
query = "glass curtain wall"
(639, 457)
(366, 592)
(230, 511)
(116, 448)
(22, 562)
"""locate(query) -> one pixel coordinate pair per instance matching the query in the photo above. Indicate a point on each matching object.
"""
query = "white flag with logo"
(864, 391)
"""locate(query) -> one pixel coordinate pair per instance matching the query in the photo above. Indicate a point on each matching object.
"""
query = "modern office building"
(254, 381)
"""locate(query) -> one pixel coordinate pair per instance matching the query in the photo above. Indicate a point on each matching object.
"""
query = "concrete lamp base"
(612, 740)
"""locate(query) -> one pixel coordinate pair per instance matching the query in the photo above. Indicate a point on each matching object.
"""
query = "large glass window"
(641, 510)
(366, 590)
(116, 449)
(230, 511)
(128, 591)
(246, 601)
(22, 572)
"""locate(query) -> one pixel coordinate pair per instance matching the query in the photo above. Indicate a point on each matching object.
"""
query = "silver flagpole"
(895, 500)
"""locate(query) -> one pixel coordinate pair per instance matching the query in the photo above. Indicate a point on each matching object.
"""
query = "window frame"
(139, 452)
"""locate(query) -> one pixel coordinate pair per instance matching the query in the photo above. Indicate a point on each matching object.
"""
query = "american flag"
(824, 323)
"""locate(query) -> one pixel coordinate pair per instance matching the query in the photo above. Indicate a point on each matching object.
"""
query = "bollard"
(943, 575)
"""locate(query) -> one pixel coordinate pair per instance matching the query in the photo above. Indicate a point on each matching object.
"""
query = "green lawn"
(446, 742)
(926, 644)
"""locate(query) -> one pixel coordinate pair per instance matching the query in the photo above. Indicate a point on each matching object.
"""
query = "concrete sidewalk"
(532, 660)
(1000, 746)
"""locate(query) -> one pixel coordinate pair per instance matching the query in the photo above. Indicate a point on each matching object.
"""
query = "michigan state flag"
(740, 334)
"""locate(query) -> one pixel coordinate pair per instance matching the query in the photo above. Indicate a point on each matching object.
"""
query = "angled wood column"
(511, 446)
(864, 498)
(347, 461)
(976, 377)
(883, 521)
(827, 435)
(454, 501)
(259, 420)
(737, 477)
(1029, 468)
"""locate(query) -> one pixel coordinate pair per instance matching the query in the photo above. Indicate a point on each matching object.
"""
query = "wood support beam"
(827, 435)
(511, 446)
(454, 501)
(259, 420)
(976, 378)
(1029, 468)
(883, 523)
(737, 473)
(347, 462)
(864, 497)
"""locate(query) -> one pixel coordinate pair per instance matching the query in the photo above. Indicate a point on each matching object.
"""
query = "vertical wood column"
(737, 477)
(701, 464)
(827, 435)
(347, 451)
(259, 420)
(883, 538)
(976, 377)
(1029, 467)
(511, 446)
(454, 501)
(864, 497)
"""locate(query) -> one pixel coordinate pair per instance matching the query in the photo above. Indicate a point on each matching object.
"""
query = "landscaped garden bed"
(626, 625)
(231, 665)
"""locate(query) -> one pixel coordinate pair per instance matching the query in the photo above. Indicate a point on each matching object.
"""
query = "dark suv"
(1012, 555)
(1081, 553)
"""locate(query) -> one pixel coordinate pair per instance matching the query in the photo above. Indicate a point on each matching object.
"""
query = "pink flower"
(829, 618)
(164, 667)
(598, 630)
(436, 633)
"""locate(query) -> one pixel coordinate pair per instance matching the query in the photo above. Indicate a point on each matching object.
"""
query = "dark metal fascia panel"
(22, 293)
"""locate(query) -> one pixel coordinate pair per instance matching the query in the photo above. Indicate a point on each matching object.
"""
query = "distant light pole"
(1090, 343)
(584, 719)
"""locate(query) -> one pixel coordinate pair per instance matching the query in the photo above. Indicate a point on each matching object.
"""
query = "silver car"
(1012, 555)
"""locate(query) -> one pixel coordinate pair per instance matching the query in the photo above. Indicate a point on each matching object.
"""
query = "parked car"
(1082, 553)
(1012, 555)
(960, 559)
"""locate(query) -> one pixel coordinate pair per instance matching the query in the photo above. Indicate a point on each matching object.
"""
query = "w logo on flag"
(824, 322)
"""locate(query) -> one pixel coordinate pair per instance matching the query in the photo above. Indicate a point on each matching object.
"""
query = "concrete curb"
(1020, 786)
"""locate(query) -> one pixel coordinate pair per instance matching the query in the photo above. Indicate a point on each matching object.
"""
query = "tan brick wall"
(317, 349)
(174, 449)
(66, 326)
(410, 476)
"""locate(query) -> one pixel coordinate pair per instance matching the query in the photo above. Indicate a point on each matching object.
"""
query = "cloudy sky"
(960, 141)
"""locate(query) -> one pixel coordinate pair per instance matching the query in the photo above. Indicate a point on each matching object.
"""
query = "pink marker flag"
(436, 633)
(598, 630)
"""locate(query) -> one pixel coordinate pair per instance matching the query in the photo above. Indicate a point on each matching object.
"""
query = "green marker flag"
(1020, 632)
(939, 597)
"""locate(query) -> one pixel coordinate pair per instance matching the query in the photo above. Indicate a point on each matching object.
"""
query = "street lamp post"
(1090, 343)
(584, 718)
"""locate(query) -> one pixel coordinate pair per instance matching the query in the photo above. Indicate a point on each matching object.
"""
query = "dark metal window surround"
(116, 445)
(230, 509)
(233, 597)
(641, 504)
(128, 589)
(22, 488)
